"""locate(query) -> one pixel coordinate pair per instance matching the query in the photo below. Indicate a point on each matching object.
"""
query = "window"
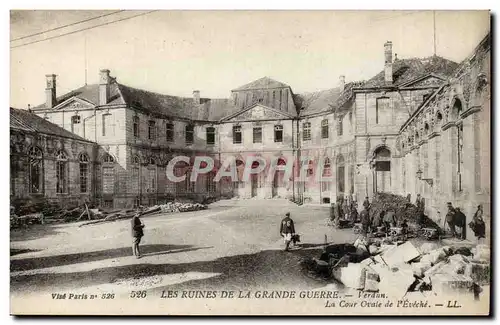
(306, 129)
(170, 132)
(383, 113)
(237, 134)
(36, 170)
(327, 172)
(84, 173)
(324, 129)
(152, 130)
(136, 126)
(340, 127)
(152, 180)
(61, 180)
(257, 134)
(310, 168)
(75, 119)
(135, 182)
(106, 120)
(210, 135)
(107, 204)
(278, 133)
(189, 134)
(108, 174)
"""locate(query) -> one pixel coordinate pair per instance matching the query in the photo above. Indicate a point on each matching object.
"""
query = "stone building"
(348, 134)
(444, 147)
(47, 161)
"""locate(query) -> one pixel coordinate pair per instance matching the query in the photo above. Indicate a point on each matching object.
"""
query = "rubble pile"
(402, 209)
(396, 268)
(181, 207)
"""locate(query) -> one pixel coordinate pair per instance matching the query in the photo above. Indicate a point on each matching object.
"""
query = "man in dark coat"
(287, 230)
(366, 203)
(450, 219)
(137, 233)
(460, 221)
(365, 221)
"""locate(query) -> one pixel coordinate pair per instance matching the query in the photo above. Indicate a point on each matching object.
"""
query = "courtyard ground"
(232, 245)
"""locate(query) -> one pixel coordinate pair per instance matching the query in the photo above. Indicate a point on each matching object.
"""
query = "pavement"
(232, 245)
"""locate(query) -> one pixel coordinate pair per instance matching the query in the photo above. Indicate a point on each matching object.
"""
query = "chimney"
(196, 97)
(388, 62)
(50, 90)
(342, 83)
(104, 81)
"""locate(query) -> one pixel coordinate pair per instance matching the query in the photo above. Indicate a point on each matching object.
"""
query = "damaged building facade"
(446, 142)
(355, 130)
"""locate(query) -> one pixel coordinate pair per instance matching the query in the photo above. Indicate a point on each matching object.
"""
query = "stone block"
(401, 254)
(451, 283)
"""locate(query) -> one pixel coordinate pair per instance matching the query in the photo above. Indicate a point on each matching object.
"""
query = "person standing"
(137, 233)
(389, 220)
(450, 219)
(287, 230)
(477, 224)
(366, 203)
(460, 221)
(365, 221)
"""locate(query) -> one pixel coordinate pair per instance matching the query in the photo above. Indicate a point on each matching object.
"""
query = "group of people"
(455, 218)
(344, 209)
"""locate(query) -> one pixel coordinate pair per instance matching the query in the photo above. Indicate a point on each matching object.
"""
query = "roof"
(24, 120)
(262, 83)
(405, 70)
(89, 93)
(317, 102)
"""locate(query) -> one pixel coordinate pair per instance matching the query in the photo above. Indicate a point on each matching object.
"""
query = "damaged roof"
(405, 70)
(24, 120)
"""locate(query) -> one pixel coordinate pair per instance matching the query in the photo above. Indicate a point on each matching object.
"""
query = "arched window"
(36, 171)
(457, 109)
(306, 131)
(84, 172)
(136, 179)
(108, 174)
(324, 129)
(439, 120)
(327, 172)
(107, 158)
(382, 169)
(278, 133)
(61, 172)
(426, 129)
(151, 182)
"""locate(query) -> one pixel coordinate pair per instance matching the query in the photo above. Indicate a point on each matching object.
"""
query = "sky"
(176, 52)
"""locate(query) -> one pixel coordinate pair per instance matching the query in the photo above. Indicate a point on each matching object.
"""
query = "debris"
(352, 276)
(396, 283)
(479, 272)
(371, 280)
(400, 254)
(465, 251)
(482, 253)
(427, 247)
(451, 283)
(435, 256)
(419, 268)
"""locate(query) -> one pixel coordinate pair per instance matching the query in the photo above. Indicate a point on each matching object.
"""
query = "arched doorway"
(382, 169)
(279, 174)
(238, 185)
(254, 179)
